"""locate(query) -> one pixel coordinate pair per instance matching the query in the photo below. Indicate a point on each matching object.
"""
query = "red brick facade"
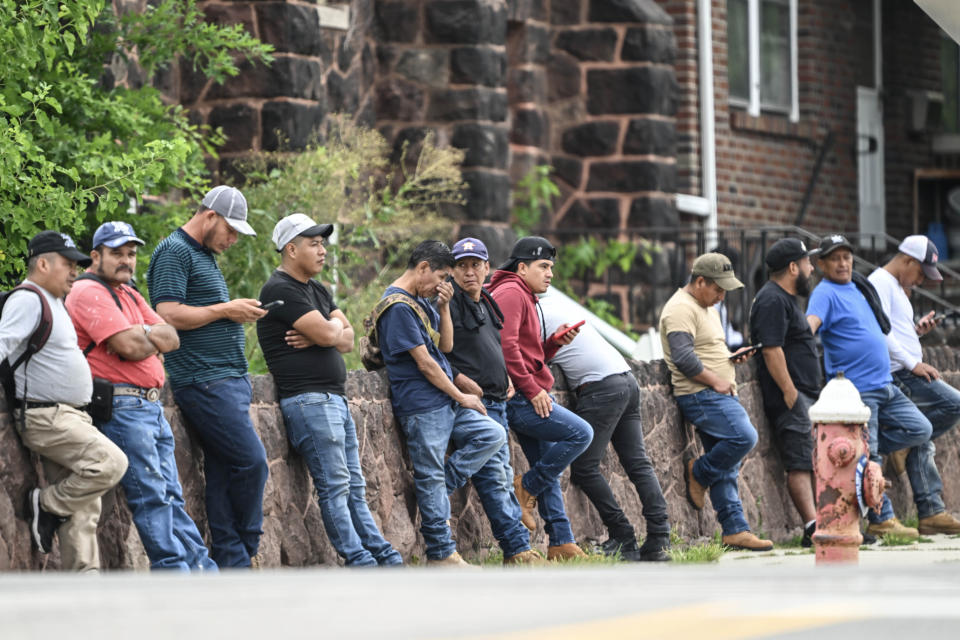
(764, 163)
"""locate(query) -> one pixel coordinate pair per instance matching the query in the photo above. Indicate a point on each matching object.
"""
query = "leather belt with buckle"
(151, 395)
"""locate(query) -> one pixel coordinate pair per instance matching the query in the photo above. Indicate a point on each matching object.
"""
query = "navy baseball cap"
(115, 234)
(530, 248)
(470, 248)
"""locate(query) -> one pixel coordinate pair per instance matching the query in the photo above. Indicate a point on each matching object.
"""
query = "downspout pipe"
(708, 138)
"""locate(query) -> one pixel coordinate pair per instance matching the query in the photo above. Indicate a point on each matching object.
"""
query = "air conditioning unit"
(924, 111)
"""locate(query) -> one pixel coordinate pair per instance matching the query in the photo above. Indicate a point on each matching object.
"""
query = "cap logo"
(728, 267)
(803, 247)
(68, 241)
(122, 228)
(837, 239)
(469, 246)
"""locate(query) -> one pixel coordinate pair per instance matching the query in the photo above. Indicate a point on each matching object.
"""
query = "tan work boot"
(528, 557)
(566, 551)
(255, 562)
(528, 502)
(941, 523)
(897, 462)
(696, 492)
(893, 526)
(747, 541)
(452, 560)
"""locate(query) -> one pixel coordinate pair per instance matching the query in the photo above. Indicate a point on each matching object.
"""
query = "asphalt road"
(905, 594)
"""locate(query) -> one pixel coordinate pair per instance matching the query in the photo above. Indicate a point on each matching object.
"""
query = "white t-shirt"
(58, 372)
(903, 343)
(589, 357)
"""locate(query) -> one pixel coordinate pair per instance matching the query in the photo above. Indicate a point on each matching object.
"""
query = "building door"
(870, 164)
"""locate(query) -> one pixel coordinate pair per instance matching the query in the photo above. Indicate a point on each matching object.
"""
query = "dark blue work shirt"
(398, 331)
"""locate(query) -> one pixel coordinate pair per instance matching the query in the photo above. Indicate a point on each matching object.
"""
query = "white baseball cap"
(229, 203)
(922, 249)
(298, 224)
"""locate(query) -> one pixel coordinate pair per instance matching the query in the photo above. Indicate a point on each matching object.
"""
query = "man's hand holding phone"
(743, 354)
(566, 332)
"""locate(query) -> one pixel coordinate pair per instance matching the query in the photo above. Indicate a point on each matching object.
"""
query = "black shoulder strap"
(86, 275)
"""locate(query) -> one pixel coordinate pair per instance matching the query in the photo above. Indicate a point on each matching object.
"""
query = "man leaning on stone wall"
(52, 388)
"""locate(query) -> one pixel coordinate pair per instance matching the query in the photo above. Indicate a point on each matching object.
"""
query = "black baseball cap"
(831, 243)
(784, 251)
(56, 242)
(530, 248)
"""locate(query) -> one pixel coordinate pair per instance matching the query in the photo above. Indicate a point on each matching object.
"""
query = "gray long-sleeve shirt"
(59, 371)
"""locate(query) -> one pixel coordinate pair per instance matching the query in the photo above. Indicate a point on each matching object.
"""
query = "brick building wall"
(764, 163)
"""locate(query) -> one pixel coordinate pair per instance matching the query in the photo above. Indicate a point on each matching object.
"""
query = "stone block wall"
(293, 529)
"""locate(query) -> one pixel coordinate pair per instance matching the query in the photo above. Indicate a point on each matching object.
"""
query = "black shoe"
(869, 538)
(807, 540)
(626, 547)
(654, 549)
(43, 524)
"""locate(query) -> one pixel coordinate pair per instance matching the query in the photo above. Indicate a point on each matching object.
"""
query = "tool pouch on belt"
(101, 402)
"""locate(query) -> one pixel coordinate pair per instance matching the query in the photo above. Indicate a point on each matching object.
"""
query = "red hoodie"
(524, 349)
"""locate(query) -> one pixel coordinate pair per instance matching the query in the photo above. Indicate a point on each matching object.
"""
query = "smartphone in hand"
(559, 334)
(272, 305)
(746, 352)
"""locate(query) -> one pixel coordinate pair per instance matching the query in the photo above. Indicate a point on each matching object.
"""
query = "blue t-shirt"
(399, 330)
(182, 270)
(852, 339)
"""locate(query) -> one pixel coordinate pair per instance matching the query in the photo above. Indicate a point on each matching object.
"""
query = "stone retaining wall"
(293, 530)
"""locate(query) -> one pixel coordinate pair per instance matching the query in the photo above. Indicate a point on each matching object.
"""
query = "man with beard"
(789, 371)
(939, 402)
(845, 309)
(208, 372)
(479, 369)
(123, 339)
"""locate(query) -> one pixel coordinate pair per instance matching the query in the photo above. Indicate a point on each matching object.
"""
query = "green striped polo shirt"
(182, 270)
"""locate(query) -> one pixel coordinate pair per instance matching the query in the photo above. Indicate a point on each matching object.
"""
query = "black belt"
(30, 404)
(151, 395)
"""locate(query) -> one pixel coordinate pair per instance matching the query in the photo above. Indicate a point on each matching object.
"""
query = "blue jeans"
(321, 429)
(494, 485)
(727, 436)
(428, 435)
(152, 486)
(940, 403)
(550, 444)
(234, 462)
(904, 427)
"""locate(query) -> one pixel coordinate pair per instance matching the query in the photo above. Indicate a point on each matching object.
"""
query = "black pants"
(612, 407)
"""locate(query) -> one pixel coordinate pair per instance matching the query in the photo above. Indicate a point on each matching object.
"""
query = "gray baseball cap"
(229, 203)
(298, 224)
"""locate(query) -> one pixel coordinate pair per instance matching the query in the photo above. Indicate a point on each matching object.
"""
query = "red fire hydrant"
(847, 482)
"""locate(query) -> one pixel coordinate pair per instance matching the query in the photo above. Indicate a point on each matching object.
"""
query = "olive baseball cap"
(718, 268)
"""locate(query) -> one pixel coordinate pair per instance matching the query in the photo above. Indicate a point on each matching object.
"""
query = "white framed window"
(762, 56)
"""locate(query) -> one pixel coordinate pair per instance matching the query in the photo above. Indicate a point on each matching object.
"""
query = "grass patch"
(700, 553)
(895, 540)
(924, 539)
(911, 521)
(799, 552)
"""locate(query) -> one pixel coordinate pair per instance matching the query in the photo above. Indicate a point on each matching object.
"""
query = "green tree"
(75, 150)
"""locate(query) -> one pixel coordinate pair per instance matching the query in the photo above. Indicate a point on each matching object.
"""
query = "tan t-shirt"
(683, 313)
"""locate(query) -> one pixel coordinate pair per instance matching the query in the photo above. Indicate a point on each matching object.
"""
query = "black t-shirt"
(296, 371)
(477, 353)
(776, 320)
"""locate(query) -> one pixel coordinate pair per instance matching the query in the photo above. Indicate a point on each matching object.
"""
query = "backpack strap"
(86, 275)
(41, 334)
(401, 298)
